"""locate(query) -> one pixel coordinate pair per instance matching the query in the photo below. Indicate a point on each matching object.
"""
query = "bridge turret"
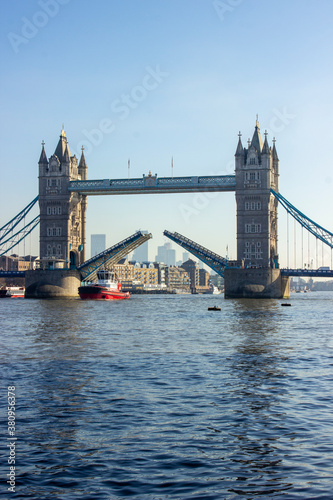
(240, 149)
(256, 207)
(275, 166)
(83, 166)
(43, 157)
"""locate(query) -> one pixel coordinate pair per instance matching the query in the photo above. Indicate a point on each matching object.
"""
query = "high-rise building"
(140, 254)
(97, 244)
(186, 256)
(166, 254)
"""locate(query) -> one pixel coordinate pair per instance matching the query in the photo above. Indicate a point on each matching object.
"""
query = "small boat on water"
(106, 288)
(12, 292)
(214, 308)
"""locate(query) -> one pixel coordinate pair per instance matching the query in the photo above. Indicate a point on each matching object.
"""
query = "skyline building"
(185, 256)
(166, 254)
(140, 254)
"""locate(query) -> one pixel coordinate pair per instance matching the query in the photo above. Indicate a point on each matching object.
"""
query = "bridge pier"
(52, 283)
(264, 283)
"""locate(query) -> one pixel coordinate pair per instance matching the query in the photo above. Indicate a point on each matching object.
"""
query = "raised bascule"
(63, 191)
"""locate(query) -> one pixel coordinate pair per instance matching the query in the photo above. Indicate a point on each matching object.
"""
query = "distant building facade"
(16, 263)
(145, 273)
(178, 279)
(203, 278)
(192, 268)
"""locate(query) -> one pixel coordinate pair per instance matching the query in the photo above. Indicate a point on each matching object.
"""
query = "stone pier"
(255, 283)
(52, 283)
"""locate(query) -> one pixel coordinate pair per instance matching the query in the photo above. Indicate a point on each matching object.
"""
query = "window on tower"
(253, 228)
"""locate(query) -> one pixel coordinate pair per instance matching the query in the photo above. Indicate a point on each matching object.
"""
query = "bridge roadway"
(310, 273)
(154, 184)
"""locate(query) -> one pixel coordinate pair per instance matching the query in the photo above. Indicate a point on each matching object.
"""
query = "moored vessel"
(106, 288)
(12, 292)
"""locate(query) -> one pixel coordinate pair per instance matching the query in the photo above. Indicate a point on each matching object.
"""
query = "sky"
(208, 68)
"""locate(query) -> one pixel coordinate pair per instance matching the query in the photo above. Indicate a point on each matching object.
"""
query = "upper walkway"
(318, 273)
(153, 184)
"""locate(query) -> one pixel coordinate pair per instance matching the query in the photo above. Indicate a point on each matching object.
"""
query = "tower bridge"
(63, 191)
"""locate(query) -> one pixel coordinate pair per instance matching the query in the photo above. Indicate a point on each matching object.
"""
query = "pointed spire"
(83, 163)
(240, 149)
(275, 155)
(60, 150)
(256, 139)
(265, 149)
(67, 154)
(43, 157)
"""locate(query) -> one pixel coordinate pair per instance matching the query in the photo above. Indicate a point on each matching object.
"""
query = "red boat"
(12, 292)
(106, 288)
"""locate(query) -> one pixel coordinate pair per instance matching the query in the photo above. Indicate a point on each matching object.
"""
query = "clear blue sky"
(218, 64)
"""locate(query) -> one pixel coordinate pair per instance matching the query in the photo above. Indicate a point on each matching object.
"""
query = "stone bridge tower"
(62, 213)
(257, 171)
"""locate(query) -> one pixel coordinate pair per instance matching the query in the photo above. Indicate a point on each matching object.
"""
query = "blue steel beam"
(211, 259)
(16, 238)
(12, 274)
(318, 231)
(153, 184)
(112, 255)
(7, 228)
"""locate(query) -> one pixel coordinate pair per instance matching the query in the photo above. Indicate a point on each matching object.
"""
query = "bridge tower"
(257, 171)
(62, 213)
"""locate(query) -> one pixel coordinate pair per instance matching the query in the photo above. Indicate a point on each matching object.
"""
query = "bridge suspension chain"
(318, 231)
(7, 228)
(16, 238)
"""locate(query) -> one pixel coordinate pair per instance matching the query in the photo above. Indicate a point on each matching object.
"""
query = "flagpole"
(172, 166)
(129, 165)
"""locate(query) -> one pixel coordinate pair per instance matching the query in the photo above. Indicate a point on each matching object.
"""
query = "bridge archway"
(72, 259)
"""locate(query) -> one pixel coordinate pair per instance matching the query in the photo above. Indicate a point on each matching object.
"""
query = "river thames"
(158, 398)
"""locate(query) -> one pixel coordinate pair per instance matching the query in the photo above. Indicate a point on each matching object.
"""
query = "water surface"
(158, 398)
